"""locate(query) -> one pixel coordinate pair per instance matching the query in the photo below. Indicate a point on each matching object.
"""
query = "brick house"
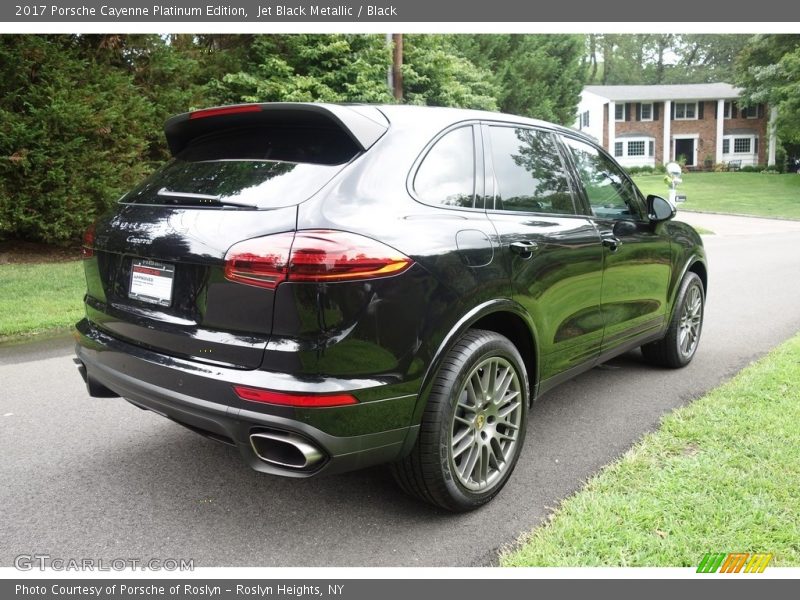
(655, 124)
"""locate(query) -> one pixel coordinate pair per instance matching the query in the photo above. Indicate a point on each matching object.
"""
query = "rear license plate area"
(151, 282)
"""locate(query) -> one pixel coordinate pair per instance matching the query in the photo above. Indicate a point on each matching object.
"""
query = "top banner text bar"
(399, 11)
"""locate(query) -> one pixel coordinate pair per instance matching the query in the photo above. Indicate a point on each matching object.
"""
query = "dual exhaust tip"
(286, 450)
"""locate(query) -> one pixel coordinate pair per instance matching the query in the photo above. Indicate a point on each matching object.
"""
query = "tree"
(769, 71)
(310, 67)
(540, 76)
(73, 135)
(436, 73)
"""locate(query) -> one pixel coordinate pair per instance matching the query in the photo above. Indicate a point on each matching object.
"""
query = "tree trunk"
(397, 66)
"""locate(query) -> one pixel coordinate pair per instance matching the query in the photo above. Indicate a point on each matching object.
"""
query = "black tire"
(431, 472)
(671, 350)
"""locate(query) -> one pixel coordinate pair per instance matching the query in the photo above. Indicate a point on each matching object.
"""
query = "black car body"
(312, 283)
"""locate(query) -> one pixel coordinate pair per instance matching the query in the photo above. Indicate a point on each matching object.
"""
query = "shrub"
(72, 138)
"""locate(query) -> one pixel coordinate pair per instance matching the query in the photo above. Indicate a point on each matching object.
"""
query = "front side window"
(618, 149)
(726, 145)
(728, 106)
(447, 173)
(686, 110)
(619, 112)
(610, 193)
(646, 110)
(529, 174)
(586, 119)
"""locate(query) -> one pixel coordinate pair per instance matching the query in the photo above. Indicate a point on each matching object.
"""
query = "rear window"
(255, 167)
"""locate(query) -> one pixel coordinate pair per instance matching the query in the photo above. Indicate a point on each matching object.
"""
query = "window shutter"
(628, 111)
(760, 112)
(672, 114)
(655, 110)
(716, 110)
(734, 110)
(755, 145)
(638, 111)
(700, 106)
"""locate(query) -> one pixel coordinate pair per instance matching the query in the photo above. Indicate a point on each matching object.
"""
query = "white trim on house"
(686, 136)
(748, 157)
(720, 129)
(611, 126)
(772, 133)
(667, 155)
(636, 151)
(686, 105)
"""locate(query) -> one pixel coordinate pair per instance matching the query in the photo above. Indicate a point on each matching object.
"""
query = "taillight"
(87, 248)
(299, 400)
(315, 255)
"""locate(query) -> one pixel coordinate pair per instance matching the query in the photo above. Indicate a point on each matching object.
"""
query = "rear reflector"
(315, 255)
(225, 110)
(87, 248)
(299, 400)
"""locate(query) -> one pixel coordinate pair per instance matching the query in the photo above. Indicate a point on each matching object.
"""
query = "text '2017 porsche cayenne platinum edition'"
(328, 287)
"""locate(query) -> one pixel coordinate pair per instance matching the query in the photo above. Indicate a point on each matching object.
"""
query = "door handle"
(524, 249)
(612, 242)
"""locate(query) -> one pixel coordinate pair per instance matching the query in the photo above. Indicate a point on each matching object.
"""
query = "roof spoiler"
(363, 124)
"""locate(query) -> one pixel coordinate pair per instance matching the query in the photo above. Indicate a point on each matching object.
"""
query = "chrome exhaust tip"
(285, 450)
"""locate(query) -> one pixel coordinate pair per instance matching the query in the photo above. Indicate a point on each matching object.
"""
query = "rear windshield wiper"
(205, 198)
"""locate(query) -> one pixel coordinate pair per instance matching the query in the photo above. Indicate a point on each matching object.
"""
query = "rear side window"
(256, 167)
(529, 173)
(447, 173)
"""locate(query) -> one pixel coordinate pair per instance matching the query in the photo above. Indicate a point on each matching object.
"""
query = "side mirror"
(660, 209)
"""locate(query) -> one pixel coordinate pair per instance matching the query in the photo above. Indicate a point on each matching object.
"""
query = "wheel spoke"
(463, 443)
(469, 464)
(467, 422)
(505, 383)
(507, 410)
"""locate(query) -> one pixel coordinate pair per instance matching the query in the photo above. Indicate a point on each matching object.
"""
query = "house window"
(726, 146)
(636, 148)
(651, 146)
(750, 112)
(585, 119)
(646, 110)
(617, 148)
(741, 145)
(619, 112)
(685, 110)
(728, 106)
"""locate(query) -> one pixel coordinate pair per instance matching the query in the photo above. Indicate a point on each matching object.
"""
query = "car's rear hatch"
(155, 266)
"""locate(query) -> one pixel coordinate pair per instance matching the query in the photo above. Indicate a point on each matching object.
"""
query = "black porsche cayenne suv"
(327, 287)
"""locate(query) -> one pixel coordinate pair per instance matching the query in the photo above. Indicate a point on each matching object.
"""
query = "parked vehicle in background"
(328, 287)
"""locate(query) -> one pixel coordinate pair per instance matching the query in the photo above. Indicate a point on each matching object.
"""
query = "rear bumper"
(201, 397)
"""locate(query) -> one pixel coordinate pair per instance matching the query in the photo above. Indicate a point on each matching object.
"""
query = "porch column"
(667, 130)
(773, 135)
(720, 129)
(612, 121)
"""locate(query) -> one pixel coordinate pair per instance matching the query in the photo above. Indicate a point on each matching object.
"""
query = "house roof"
(689, 91)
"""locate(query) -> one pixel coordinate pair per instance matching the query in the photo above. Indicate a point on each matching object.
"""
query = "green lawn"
(721, 475)
(735, 193)
(36, 298)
